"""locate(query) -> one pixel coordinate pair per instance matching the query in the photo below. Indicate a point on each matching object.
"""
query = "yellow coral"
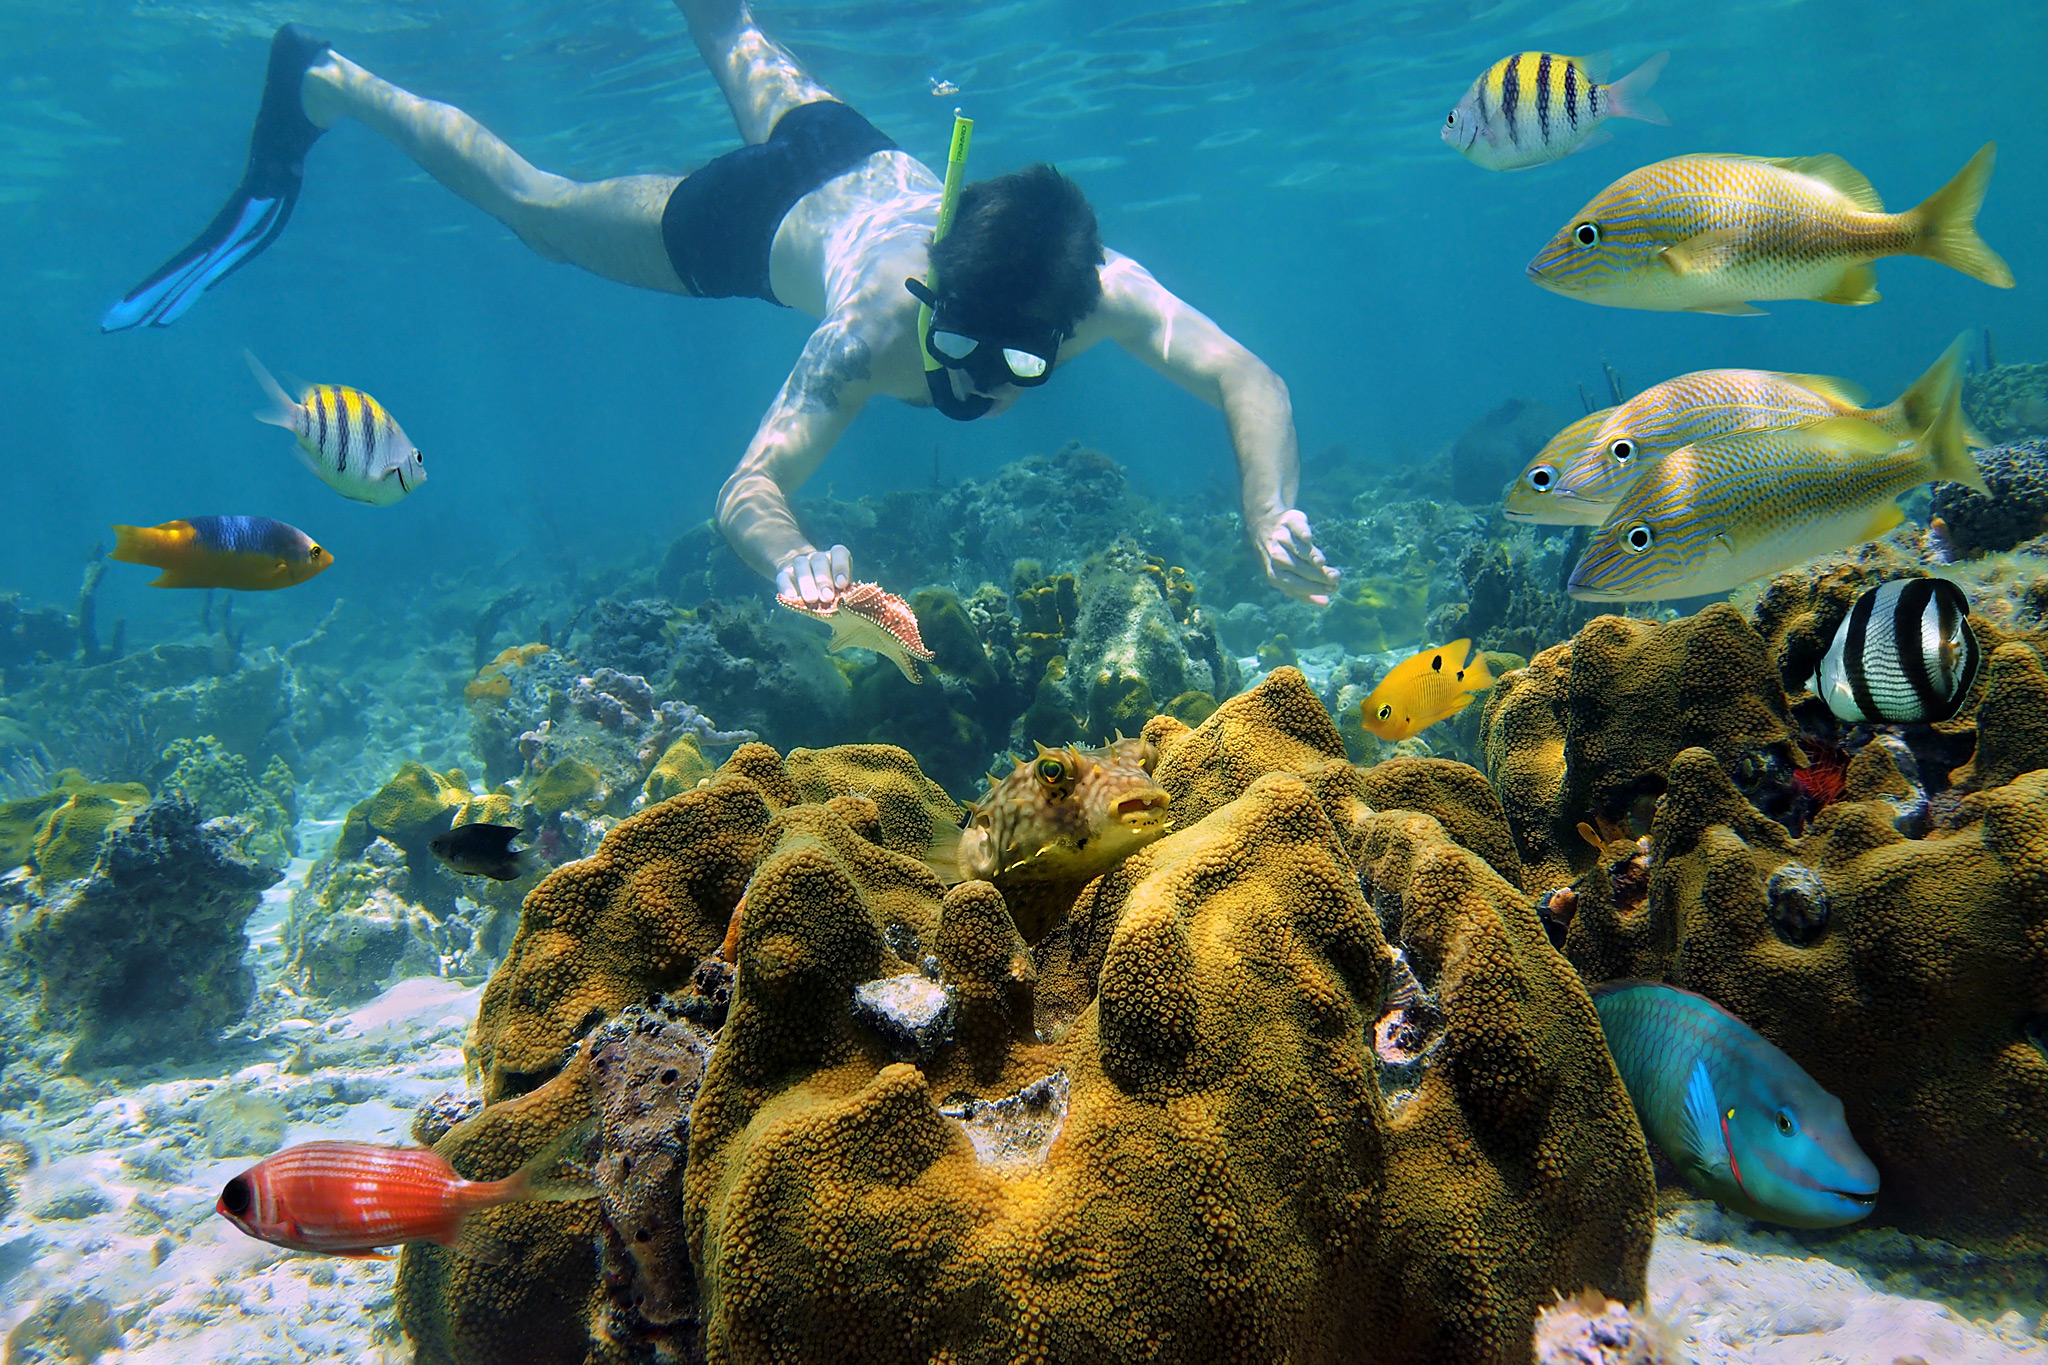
(679, 769)
(490, 683)
(67, 840)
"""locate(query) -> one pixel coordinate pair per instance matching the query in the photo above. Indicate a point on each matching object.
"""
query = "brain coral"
(1200, 1160)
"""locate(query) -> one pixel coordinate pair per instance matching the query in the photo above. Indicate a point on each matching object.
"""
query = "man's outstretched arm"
(1147, 320)
(827, 388)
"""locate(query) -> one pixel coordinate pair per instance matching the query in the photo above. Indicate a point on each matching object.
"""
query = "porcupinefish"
(1583, 485)
(1537, 107)
(1065, 815)
(350, 1198)
(1424, 689)
(252, 554)
(346, 438)
(1709, 233)
(1904, 654)
(1743, 1123)
(1715, 514)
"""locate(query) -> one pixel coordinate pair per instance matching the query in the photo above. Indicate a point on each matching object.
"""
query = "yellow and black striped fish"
(347, 438)
(1533, 108)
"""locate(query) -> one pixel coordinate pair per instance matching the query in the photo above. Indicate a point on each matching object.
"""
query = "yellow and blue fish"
(250, 554)
(1581, 487)
(347, 438)
(1711, 233)
(1424, 689)
(1715, 514)
(1533, 108)
(1532, 496)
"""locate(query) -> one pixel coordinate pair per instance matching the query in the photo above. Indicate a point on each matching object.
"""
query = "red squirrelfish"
(350, 1198)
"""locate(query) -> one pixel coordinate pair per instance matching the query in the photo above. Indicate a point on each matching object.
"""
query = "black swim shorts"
(720, 222)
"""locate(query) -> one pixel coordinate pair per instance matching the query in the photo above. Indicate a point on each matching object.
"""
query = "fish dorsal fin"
(1827, 386)
(1707, 250)
(1597, 65)
(1699, 1132)
(1837, 175)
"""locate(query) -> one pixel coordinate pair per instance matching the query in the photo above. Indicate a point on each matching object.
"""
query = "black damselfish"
(483, 851)
(1904, 654)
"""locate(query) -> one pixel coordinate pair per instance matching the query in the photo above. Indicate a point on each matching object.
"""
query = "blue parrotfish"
(1743, 1123)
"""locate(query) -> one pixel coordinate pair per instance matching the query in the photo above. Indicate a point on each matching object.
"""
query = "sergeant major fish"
(1904, 654)
(1744, 1124)
(350, 1198)
(1715, 514)
(346, 438)
(1537, 107)
(1065, 815)
(1424, 689)
(252, 554)
(1708, 233)
(1583, 487)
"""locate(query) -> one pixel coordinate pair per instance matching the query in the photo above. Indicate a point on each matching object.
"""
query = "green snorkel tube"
(936, 377)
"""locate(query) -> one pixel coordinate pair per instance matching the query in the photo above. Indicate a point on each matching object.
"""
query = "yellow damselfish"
(1420, 691)
(252, 554)
(1710, 233)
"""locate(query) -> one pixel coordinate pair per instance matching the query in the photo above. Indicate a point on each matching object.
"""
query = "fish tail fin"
(1947, 445)
(1478, 677)
(536, 1180)
(1945, 226)
(282, 412)
(1920, 404)
(1629, 97)
(131, 543)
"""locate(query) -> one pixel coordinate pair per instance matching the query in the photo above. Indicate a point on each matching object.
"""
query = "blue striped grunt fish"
(347, 438)
(1715, 514)
(1710, 233)
(253, 554)
(1584, 486)
(1533, 495)
(1533, 108)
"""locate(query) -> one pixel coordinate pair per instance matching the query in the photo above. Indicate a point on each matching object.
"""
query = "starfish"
(866, 616)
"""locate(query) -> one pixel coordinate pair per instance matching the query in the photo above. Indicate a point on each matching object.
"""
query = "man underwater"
(819, 211)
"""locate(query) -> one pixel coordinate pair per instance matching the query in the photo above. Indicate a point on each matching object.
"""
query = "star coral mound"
(1163, 1134)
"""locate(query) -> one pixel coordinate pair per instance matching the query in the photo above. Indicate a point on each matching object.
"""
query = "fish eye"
(1451, 119)
(1622, 449)
(235, 1198)
(1541, 477)
(1386, 712)
(1785, 1124)
(1587, 234)
(1641, 537)
(1051, 770)
(315, 552)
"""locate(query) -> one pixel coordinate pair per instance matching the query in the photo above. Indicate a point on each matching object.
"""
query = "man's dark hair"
(1023, 249)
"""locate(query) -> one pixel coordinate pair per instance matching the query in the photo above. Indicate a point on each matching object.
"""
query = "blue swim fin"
(260, 206)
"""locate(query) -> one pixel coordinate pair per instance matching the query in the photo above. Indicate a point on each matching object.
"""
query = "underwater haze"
(1083, 931)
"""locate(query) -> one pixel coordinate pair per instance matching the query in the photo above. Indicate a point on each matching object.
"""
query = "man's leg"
(609, 227)
(760, 78)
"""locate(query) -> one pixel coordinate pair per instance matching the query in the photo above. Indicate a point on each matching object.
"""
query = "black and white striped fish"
(1905, 653)
(1532, 108)
(347, 438)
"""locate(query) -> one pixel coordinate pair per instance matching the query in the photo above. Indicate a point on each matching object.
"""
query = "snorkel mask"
(951, 338)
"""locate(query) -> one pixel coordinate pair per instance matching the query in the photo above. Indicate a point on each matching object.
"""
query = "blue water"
(1276, 164)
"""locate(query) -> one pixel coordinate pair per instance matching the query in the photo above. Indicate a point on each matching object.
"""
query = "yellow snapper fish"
(346, 438)
(1067, 814)
(1420, 691)
(1709, 233)
(1529, 496)
(1533, 108)
(1715, 514)
(1582, 488)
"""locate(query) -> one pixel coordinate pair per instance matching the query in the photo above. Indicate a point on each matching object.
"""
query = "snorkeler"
(819, 211)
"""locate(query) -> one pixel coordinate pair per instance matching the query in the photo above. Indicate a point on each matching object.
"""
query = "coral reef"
(1202, 1163)
(218, 782)
(2007, 402)
(2016, 508)
(142, 959)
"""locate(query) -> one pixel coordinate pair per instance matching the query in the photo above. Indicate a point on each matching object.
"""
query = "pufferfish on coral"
(1065, 815)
